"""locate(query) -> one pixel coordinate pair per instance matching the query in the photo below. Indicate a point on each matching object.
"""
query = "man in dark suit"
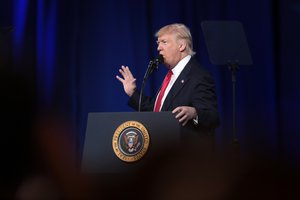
(189, 94)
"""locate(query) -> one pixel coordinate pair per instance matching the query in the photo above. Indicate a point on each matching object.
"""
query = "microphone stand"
(153, 64)
(149, 70)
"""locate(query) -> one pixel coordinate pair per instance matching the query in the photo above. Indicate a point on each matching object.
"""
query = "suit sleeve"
(205, 101)
(147, 102)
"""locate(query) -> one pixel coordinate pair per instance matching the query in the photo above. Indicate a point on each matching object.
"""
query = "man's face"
(169, 48)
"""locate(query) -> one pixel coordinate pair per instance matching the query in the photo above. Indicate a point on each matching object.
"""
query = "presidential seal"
(130, 141)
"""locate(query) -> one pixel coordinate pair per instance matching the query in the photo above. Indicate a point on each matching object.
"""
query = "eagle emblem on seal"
(131, 139)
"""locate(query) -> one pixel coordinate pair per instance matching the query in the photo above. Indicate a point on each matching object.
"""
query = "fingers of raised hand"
(126, 74)
(122, 71)
(120, 79)
(125, 71)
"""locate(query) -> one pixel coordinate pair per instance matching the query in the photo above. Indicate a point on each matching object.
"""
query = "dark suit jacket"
(194, 87)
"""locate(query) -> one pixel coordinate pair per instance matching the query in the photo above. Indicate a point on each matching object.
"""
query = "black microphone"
(153, 64)
(156, 61)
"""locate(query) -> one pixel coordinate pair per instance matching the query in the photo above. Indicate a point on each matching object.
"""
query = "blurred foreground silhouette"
(39, 160)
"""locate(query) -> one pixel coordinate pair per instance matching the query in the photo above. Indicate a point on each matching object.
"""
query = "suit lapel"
(180, 82)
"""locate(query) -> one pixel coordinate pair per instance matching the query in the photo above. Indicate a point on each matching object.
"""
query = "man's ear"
(182, 46)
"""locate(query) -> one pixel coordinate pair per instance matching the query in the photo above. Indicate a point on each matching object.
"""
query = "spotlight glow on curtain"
(45, 49)
(20, 18)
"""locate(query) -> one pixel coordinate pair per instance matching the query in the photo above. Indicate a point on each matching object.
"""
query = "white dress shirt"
(176, 72)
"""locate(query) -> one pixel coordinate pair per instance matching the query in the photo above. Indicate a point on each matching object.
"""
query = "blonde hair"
(181, 32)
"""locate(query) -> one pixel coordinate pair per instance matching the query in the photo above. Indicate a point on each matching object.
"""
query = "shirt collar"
(180, 65)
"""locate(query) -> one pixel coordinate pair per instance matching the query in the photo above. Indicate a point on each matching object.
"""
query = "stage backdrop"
(73, 50)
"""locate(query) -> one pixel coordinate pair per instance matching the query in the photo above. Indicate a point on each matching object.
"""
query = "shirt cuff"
(195, 120)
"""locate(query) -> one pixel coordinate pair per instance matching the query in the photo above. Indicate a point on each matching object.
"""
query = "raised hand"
(127, 80)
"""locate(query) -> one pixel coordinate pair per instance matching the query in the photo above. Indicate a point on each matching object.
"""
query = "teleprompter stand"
(227, 45)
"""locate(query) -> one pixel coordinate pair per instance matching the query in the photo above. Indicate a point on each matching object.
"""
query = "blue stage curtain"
(73, 50)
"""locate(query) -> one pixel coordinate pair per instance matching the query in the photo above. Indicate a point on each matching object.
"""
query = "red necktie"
(162, 91)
